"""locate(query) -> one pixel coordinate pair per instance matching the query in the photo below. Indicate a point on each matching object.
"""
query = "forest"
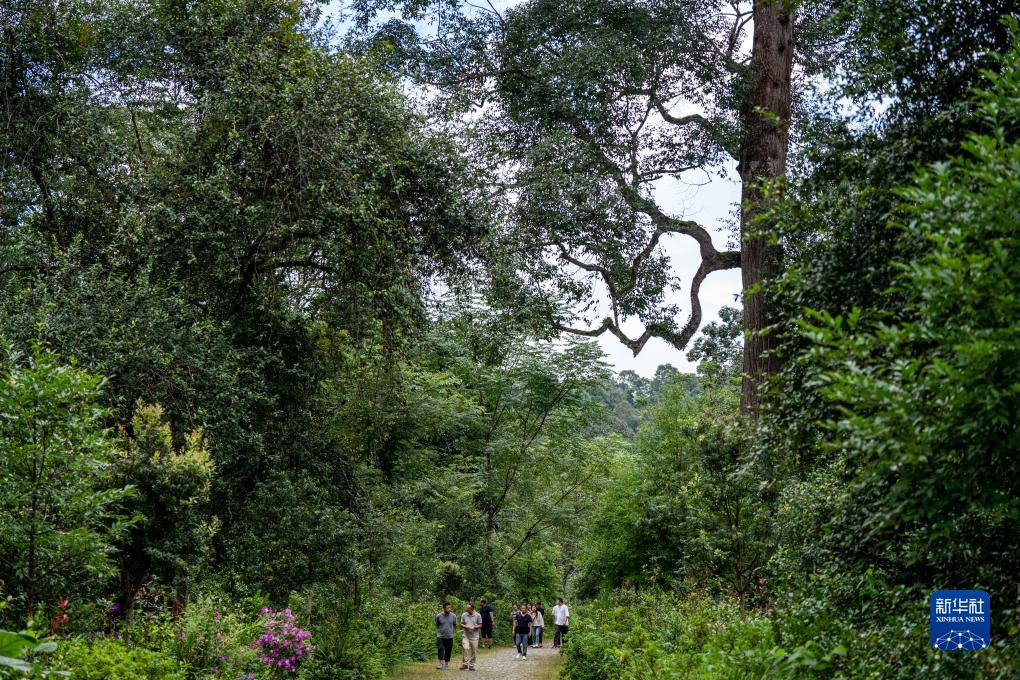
(309, 319)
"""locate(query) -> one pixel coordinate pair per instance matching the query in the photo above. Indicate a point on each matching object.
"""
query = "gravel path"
(499, 663)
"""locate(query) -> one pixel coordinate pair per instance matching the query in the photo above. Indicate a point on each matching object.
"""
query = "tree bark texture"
(763, 152)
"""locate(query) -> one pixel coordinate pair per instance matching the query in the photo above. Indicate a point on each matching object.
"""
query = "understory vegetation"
(293, 341)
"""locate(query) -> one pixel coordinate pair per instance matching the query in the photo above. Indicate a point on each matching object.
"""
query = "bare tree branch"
(541, 524)
(711, 258)
(678, 339)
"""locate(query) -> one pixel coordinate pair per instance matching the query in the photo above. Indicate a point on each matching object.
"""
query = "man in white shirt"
(561, 617)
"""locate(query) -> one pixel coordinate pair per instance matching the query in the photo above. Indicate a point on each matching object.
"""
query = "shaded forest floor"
(499, 663)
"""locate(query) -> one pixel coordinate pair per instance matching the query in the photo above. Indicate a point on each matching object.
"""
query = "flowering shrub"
(58, 626)
(213, 637)
(282, 645)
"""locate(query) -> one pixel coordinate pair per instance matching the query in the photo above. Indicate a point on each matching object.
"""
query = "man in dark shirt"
(488, 622)
(522, 631)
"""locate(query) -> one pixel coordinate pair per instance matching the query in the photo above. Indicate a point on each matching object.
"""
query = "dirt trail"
(499, 663)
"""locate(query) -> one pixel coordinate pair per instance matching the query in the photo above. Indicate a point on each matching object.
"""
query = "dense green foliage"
(171, 498)
(663, 636)
(57, 521)
(20, 654)
(112, 660)
(679, 509)
(916, 407)
(239, 226)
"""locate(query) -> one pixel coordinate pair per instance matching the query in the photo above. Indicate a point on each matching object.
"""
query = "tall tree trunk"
(180, 598)
(30, 575)
(766, 138)
(490, 530)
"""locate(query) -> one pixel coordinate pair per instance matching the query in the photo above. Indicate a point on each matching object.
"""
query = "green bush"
(861, 626)
(631, 636)
(58, 507)
(362, 643)
(20, 652)
(113, 660)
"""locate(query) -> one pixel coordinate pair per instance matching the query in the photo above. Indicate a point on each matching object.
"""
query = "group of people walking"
(527, 625)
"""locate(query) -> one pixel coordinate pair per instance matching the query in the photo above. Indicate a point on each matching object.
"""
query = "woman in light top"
(537, 626)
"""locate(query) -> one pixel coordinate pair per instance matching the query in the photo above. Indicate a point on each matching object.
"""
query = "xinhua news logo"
(960, 620)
